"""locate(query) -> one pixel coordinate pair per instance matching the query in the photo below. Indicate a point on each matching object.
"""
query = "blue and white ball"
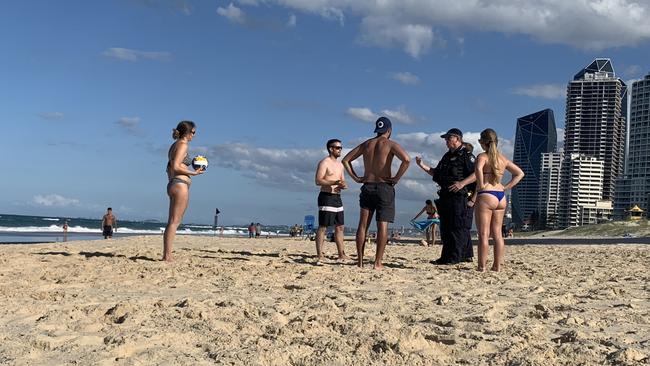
(200, 162)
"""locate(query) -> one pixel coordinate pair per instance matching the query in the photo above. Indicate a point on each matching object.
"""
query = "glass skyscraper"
(596, 113)
(634, 187)
(535, 135)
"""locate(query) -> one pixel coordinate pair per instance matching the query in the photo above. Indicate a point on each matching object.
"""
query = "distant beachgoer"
(491, 203)
(179, 179)
(65, 230)
(378, 190)
(432, 213)
(258, 230)
(251, 230)
(330, 178)
(109, 224)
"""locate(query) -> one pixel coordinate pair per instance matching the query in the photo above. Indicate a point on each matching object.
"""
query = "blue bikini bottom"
(498, 194)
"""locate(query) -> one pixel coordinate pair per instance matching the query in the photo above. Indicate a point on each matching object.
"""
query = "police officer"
(455, 176)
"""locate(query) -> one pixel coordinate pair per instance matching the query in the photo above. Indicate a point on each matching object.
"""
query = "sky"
(92, 90)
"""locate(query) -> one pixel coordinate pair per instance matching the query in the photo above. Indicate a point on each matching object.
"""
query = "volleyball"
(200, 162)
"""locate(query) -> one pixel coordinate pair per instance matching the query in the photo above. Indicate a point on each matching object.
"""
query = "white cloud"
(362, 114)
(233, 13)
(126, 54)
(545, 91)
(51, 115)
(415, 39)
(130, 124)
(417, 25)
(405, 78)
(54, 200)
(633, 70)
(291, 23)
(400, 115)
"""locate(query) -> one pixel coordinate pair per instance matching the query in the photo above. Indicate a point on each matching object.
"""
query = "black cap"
(453, 132)
(382, 125)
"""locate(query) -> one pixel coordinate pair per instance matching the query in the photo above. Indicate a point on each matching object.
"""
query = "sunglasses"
(193, 132)
(336, 147)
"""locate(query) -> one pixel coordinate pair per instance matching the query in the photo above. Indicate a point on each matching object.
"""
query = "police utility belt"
(444, 193)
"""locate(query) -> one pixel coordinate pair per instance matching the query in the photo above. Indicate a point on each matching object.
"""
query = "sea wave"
(190, 230)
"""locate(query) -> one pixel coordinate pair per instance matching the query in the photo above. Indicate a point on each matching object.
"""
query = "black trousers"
(455, 223)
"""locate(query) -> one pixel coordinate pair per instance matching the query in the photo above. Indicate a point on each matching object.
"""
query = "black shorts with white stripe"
(330, 209)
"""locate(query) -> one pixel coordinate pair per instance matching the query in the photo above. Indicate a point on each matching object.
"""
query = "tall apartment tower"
(535, 135)
(596, 112)
(549, 190)
(634, 187)
(581, 185)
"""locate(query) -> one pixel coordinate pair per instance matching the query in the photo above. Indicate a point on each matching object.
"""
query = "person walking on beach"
(251, 230)
(432, 213)
(490, 201)
(65, 230)
(378, 189)
(455, 175)
(179, 180)
(258, 230)
(330, 179)
(109, 224)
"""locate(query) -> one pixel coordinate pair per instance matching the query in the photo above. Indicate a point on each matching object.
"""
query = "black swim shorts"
(330, 209)
(379, 197)
(108, 231)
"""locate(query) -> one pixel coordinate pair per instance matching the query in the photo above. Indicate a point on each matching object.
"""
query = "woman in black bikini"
(178, 186)
(490, 200)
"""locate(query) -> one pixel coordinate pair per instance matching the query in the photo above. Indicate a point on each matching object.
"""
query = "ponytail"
(489, 138)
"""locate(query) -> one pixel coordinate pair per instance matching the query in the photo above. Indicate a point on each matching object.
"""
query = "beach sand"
(264, 302)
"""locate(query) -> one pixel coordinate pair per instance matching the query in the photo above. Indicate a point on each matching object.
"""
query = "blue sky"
(91, 91)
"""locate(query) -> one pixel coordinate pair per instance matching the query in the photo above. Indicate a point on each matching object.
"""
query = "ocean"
(46, 229)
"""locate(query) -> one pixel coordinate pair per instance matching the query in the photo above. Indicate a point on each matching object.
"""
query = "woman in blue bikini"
(490, 199)
(178, 184)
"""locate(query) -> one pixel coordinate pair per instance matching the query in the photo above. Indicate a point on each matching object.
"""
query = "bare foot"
(168, 259)
(343, 258)
(378, 267)
(480, 269)
(496, 269)
(360, 263)
(423, 243)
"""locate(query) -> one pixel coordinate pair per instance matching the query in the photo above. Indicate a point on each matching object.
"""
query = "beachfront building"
(549, 190)
(596, 112)
(581, 185)
(634, 187)
(599, 211)
(535, 135)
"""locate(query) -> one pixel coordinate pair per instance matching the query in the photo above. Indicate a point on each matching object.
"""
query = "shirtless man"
(109, 223)
(329, 176)
(377, 192)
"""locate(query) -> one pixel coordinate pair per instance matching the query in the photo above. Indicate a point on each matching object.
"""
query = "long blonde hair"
(490, 140)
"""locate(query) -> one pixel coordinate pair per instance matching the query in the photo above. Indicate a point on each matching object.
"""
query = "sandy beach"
(265, 302)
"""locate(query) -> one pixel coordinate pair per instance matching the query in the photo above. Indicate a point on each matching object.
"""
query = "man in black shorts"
(329, 176)
(377, 192)
(109, 223)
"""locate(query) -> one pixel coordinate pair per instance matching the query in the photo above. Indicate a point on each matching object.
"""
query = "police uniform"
(455, 216)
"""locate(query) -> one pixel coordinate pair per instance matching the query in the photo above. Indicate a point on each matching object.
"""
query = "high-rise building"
(535, 135)
(634, 187)
(581, 185)
(596, 111)
(549, 190)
